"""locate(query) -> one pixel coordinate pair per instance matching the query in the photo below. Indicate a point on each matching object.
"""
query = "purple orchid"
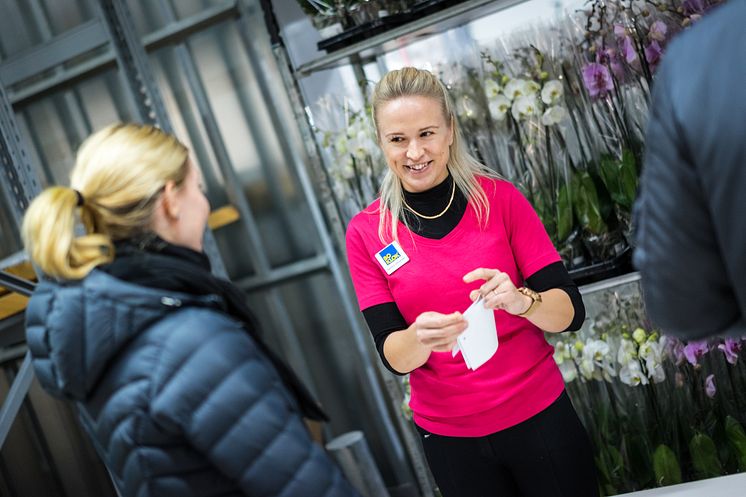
(628, 50)
(608, 57)
(658, 31)
(674, 349)
(693, 6)
(597, 79)
(710, 388)
(731, 347)
(694, 350)
(653, 54)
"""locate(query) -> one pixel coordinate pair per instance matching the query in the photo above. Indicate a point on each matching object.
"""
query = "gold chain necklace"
(436, 216)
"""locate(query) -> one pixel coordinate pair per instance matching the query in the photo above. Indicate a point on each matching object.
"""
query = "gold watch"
(535, 300)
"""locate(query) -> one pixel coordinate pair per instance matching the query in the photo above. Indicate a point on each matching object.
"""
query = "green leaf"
(546, 214)
(620, 177)
(737, 440)
(704, 456)
(586, 204)
(608, 169)
(628, 178)
(564, 213)
(610, 467)
(665, 466)
(639, 460)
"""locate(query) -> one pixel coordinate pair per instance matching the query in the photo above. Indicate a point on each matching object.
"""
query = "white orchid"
(627, 352)
(525, 107)
(491, 88)
(517, 88)
(577, 349)
(596, 362)
(639, 335)
(561, 352)
(631, 374)
(651, 352)
(531, 87)
(513, 89)
(563, 357)
(586, 367)
(340, 144)
(554, 115)
(346, 167)
(552, 92)
(569, 371)
(362, 145)
(499, 106)
(466, 107)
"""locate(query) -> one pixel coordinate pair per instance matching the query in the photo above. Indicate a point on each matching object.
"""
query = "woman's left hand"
(498, 291)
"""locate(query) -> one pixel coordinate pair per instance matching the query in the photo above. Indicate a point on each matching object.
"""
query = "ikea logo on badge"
(392, 257)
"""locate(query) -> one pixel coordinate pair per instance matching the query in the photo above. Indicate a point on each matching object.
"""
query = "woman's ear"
(170, 201)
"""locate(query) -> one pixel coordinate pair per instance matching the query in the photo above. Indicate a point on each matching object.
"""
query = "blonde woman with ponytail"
(445, 232)
(176, 389)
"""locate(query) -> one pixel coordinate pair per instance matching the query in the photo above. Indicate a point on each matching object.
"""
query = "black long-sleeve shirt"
(384, 319)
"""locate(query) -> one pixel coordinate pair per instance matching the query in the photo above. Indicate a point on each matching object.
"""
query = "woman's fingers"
(497, 298)
(439, 331)
(480, 274)
(495, 282)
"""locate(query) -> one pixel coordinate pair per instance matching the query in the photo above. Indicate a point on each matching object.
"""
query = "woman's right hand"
(438, 332)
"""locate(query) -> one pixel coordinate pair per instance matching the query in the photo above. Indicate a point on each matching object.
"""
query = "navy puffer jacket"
(178, 397)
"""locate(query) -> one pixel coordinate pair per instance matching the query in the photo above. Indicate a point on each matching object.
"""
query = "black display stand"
(619, 265)
(383, 24)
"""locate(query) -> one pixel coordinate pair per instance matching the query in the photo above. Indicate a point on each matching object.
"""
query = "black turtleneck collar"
(430, 203)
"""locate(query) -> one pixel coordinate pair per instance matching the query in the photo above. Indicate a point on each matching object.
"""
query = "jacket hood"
(74, 329)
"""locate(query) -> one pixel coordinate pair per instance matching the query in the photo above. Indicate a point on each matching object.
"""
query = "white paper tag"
(478, 343)
(392, 257)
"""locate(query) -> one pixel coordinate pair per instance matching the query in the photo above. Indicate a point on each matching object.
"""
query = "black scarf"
(151, 261)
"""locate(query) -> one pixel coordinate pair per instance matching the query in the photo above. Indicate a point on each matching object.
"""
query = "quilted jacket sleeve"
(691, 231)
(215, 386)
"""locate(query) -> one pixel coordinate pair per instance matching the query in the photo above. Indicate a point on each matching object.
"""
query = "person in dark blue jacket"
(173, 384)
(689, 216)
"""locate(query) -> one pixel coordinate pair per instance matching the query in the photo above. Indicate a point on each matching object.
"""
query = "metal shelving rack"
(368, 49)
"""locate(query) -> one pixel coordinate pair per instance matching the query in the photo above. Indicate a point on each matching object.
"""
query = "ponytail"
(49, 235)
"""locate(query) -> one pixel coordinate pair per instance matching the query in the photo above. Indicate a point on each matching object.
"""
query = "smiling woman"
(466, 234)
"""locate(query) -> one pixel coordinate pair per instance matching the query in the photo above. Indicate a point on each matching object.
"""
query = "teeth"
(417, 167)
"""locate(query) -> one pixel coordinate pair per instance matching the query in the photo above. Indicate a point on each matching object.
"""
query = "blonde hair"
(119, 171)
(408, 82)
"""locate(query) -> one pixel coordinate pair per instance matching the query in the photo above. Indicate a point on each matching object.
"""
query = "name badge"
(392, 257)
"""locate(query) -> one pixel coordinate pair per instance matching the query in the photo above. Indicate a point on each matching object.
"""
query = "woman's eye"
(396, 139)
(426, 133)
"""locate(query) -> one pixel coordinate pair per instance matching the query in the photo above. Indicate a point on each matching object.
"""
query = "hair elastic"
(81, 200)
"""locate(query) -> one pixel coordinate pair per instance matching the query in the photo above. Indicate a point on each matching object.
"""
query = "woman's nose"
(414, 150)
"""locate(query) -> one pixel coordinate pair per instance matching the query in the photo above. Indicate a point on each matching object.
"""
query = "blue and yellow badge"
(392, 257)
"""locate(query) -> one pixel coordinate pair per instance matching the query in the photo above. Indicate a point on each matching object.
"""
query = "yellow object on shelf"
(223, 216)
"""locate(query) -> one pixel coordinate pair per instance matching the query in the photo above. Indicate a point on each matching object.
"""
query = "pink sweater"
(521, 379)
